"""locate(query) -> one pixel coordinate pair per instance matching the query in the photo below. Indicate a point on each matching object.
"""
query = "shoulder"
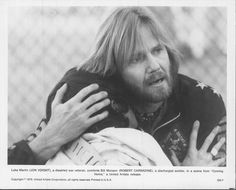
(200, 99)
(75, 75)
(191, 88)
(75, 80)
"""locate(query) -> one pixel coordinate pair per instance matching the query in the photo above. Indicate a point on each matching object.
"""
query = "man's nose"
(153, 64)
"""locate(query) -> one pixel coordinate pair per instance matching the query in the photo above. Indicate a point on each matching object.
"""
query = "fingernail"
(104, 93)
(196, 123)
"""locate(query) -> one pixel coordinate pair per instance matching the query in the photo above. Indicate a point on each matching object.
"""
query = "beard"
(149, 93)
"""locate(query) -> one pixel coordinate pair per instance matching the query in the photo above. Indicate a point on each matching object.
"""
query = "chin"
(158, 95)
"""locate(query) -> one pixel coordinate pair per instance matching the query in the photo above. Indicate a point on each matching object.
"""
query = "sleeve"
(21, 154)
(213, 111)
(213, 114)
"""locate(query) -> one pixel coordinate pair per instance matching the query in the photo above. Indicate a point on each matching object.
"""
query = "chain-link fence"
(44, 42)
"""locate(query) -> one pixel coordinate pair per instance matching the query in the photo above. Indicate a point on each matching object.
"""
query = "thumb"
(175, 161)
(59, 95)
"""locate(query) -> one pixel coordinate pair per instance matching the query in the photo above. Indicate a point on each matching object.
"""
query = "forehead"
(146, 40)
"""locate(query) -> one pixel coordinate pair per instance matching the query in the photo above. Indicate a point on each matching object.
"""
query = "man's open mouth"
(157, 81)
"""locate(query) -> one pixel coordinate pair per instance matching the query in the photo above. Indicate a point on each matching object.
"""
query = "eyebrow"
(159, 45)
(138, 53)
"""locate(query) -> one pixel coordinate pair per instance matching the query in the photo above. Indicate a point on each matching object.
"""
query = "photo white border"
(164, 180)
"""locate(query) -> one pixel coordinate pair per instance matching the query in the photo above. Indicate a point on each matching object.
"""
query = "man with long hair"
(134, 54)
(133, 48)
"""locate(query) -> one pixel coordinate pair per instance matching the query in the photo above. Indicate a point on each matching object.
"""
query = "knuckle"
(96, 108)
(81, 107)
(100, 95)
(82, 118)
(82, 93)
(191, 152)
(93, 98)
(208, 156)
(201, 154)
(78, 110)
(67, 107)
(96, 97)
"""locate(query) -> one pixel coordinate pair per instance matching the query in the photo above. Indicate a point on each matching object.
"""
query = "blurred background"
(44, 42)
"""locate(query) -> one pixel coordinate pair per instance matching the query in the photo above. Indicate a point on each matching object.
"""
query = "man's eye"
(157, 50)
(137, 59)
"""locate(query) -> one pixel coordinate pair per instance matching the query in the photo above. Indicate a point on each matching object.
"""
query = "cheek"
(165, 62)
(134, 74)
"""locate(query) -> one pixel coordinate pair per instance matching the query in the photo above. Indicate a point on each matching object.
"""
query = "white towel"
(113, 146)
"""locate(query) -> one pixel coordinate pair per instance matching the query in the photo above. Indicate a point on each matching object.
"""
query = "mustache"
(155, 77)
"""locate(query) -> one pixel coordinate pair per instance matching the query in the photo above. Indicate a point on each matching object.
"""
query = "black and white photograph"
(136, 86)
(150, 103)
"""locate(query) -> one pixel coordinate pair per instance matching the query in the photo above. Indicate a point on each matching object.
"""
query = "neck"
(147, 107)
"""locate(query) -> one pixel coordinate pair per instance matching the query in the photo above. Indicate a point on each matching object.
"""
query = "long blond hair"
(119, 35)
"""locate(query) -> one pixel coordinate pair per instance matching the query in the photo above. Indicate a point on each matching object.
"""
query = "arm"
(68, 120)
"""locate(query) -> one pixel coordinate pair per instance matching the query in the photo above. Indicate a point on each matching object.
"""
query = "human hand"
(69, 120)
(201, 157)
(222, 134)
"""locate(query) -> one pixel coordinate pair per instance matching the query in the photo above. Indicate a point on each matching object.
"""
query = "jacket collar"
(172, 109)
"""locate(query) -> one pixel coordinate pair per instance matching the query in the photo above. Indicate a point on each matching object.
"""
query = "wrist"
(43, 148)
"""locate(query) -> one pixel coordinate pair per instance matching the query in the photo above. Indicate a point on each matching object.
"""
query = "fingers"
(209, 139)
(97, 118)
(83, 93)
(97, 107)
(94, 98)
(219, 144)
(175, 161)
(59, 95)
(222, 121)
(218, 162)
(193, 136)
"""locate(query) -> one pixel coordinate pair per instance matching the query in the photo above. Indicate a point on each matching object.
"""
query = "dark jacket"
(191, 100)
